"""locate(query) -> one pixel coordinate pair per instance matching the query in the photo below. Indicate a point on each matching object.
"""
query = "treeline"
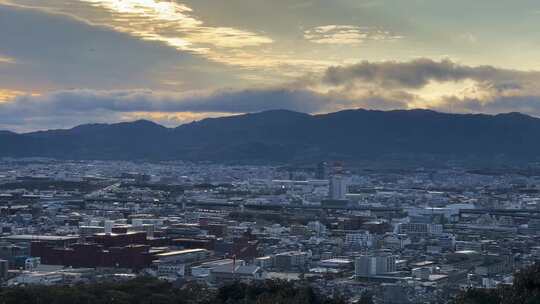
(152, 291)
(524, 290)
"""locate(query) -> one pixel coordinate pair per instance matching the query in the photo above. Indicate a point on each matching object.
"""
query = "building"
(183, 256)
(420, 228)
(39, 278)
(204, 269)
(9, 251)
(58, 241)
(338, 187)
(374, 265)
(337, 263)
(3, 270)
(171, 270)
(119, 239)
(265, 262)
(317, 227)
(93, 255)
(359, 239)
(322, 171)
(233, 272)
(291, 260)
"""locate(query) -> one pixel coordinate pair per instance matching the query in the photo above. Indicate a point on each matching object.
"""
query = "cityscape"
(399, 236)
(269, 152)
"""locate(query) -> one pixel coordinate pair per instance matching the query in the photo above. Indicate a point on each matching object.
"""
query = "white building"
(359, 239)
(373, 265)
(171, 270)
(338, 187)
(205, 269)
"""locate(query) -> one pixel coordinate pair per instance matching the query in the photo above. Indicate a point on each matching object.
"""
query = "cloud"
(43, 51)
(383, 85)
(170, 23)
(63, 109)
(420, 72)
(495, 105)
(68, 108)
(470, 38)
(111, 44)
(441, 85)
(346, 34)
(149, 101)
(174, 24)
(6, 60)
(6, 95)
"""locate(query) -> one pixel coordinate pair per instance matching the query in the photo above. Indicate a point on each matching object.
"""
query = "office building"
(338, 187)
(373, 265)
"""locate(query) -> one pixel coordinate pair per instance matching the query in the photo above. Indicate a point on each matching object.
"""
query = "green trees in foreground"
(151, 291)
(525, 290)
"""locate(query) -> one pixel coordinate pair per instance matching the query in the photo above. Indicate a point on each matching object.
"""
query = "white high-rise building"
(372, 265)
(338, 187)
(108, 226)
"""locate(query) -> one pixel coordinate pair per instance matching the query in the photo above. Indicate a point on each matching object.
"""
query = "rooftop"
(179, 252)
(28, 237)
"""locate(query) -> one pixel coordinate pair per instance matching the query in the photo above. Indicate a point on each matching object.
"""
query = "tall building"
(3, 270)
(322, 171)
(338, 187)
(373, 265)
(109, 227)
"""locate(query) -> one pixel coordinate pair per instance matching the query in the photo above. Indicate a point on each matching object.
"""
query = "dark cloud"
(418, 73)
(148, 101)
(69, 108)
(495, 91)
(498, 104)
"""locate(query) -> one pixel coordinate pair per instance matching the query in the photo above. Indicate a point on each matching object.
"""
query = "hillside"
(283, 136)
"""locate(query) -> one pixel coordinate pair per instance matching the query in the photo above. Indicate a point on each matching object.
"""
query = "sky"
(70, 62)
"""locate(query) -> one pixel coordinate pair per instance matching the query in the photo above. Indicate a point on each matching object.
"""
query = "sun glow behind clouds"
(174, 24)
(8, 95)
(4, 60)
(177, 25)
(172, 119)
(435, 92)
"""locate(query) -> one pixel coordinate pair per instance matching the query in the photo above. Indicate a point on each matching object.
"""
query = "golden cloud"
(172, 118)
(5, 60)
(346, 34)
(173, 24)
(176, 25)
(8, 95)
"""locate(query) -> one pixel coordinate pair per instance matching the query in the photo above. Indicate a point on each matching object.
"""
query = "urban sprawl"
(404, 236)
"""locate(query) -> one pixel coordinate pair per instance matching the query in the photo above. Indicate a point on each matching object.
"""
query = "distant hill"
(286, 136)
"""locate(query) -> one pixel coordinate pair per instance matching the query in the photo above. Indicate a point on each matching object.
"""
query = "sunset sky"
(69, 62)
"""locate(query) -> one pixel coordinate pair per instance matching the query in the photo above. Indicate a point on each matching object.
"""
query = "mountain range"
(286, 136)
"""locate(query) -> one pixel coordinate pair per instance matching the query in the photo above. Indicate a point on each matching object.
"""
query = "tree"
(525, 290)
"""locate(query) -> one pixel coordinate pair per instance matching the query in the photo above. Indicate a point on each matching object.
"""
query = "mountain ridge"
(283, 136)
